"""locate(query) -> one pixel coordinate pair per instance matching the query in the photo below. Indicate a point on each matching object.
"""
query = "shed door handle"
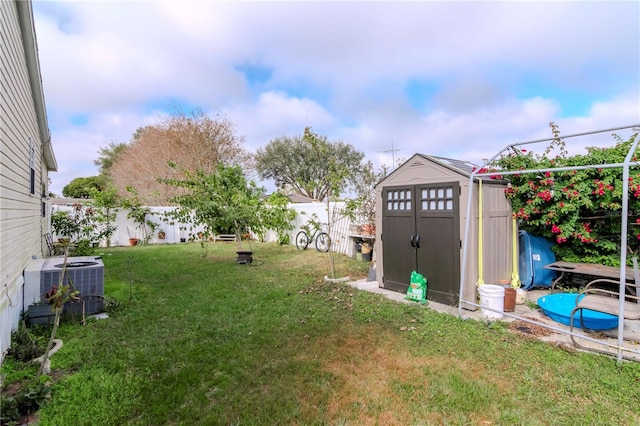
(417, 241)
(413, 244)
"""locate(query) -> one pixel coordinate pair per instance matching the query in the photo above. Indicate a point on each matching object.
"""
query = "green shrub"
(579, 209)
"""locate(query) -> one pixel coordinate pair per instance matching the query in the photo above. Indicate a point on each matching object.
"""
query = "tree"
(107, 156)
(225, 199)
(296, 164)
(363, 186)
(105, 204)
(81, 187)
(195, 142)
(140, 215)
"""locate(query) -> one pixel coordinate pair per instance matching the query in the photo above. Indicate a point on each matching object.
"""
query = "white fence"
(127, 228)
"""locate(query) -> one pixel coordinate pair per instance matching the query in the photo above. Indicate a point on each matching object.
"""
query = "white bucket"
(521, 296)
(491, 296)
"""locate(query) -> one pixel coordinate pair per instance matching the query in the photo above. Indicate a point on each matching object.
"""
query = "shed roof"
(461, 167)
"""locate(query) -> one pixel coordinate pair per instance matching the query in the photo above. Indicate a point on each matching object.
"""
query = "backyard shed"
(420, 212)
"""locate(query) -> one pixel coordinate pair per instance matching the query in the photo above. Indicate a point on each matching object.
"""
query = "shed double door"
(421, 232)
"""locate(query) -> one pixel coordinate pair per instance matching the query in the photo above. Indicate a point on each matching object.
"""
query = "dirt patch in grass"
(528, 329)
(376, 383)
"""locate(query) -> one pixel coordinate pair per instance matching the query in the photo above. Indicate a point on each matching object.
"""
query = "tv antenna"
(393, 154)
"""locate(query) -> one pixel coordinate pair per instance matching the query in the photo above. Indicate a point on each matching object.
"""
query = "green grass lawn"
(197, 339)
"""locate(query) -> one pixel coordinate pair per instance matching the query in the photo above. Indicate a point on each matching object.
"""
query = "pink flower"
(555, 229)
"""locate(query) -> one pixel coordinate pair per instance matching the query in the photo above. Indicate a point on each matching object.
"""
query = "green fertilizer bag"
(417, 290)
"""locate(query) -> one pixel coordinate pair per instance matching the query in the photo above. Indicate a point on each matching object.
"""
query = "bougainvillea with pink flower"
(580, 210)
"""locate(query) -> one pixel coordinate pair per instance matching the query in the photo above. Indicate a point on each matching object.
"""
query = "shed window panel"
(399, 200)
(437, 199)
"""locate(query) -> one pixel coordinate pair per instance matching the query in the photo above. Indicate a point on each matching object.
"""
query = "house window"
(32, 167)
(437, 199)
(32, 186)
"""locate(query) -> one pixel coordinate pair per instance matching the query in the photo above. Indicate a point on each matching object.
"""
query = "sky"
(455, 79)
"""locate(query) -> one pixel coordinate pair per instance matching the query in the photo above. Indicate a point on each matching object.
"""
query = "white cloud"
(275, 114)
(498, 72)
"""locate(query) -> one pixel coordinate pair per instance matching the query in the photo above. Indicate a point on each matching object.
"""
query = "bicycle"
(322, 239)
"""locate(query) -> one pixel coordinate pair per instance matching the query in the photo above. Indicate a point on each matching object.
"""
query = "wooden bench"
(588, 269)
(225, 237)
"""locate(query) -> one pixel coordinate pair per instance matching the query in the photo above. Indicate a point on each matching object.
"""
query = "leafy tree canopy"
(82, 187)
(107, 156)
(309, 165)
(224, 199)
(195, 141)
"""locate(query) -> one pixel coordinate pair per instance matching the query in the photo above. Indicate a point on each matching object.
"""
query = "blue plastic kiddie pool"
(558, 307)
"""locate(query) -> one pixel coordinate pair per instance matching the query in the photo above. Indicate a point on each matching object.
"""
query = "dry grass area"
(381, 383)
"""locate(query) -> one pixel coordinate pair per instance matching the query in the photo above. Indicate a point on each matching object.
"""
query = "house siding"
(21, 221)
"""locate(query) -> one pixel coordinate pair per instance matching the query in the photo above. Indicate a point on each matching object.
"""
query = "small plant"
(27, 399)
(24, 345)
(63, 225)
(284, 239)
(82, 248)
(140, 215)
(532, 305)
(111, 304)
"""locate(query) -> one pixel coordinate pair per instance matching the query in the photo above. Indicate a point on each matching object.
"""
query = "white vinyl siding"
(21, 221)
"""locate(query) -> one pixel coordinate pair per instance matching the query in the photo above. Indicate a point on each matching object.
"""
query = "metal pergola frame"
(620, 348)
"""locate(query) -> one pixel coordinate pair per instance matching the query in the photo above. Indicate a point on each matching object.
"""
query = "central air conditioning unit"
(86, 274)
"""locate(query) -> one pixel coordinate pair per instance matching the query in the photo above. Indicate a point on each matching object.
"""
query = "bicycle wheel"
(323, 242)
(302, 240)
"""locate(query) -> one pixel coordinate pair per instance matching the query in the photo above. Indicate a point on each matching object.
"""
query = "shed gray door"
(421, 232)
(398, 232)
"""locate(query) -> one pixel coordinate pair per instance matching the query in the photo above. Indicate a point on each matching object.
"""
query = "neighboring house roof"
(69, 201)
(27, 29)
(297, 198)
